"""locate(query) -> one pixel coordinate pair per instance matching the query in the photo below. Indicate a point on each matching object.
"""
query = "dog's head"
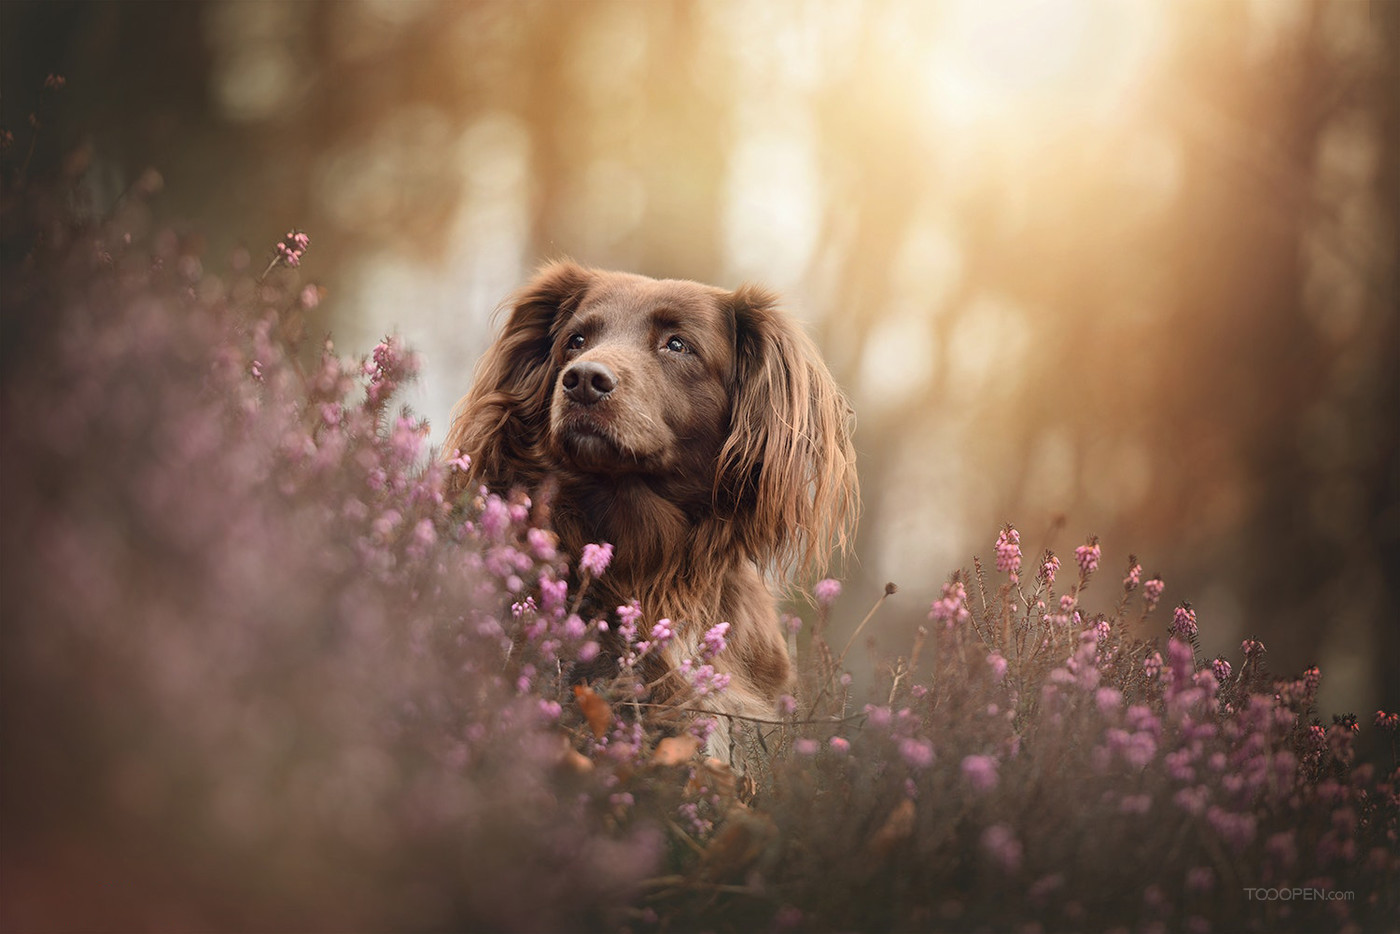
(713, 398)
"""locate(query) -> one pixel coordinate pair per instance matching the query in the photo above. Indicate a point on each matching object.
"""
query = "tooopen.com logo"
(1299, 894)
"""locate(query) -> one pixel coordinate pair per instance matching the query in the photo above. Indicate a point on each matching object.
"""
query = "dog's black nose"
(587, 382)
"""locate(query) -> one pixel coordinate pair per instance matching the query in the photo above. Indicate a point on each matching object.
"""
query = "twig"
(890, 588)
(685, 838)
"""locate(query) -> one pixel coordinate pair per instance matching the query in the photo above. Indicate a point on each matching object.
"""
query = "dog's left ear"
(788, 465)
(500, 424)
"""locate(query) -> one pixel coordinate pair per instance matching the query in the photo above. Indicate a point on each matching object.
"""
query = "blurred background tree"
(1122, 268)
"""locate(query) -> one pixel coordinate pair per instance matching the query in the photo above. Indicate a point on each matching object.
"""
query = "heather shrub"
(259, 673)
(253, 672)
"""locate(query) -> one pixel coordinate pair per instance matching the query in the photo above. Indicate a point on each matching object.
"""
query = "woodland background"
(1129, 264)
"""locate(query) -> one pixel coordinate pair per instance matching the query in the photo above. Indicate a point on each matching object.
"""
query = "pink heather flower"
(840, 746)
(596, 558)
(291, 247)
(1049, 567)
(1108, 700)
(806, 747)
(1250, 647)
(1182, 661)
(827, 591)
(1388, 721)
(407, 439)
(553, 594)
(714, 642)
(704, 679)
(879, 717)
(1221, 668)
(459, 461)
(1008, 546)
(1139, 749)
(792, 624)
(1152, 664)
(950, 609)
(1000, 843)
(1201, 879)
(1237, 830)
(1101, 630)
(588, 651)
(998, 666)
(310, 296)
(981, 772)
(629, 613)
(916, 752)
(690, 811)
(1311, 679)
(1140, 717)
(1184, 622)
(424, 535)
(541, 544)
(1193, 800)
(628, 616)
(1152, 592)
(1134, 577)
(787, 705)
(495, 517)
(1088, 556)
(662, 633)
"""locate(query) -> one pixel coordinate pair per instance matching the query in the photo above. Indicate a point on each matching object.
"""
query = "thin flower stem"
(831, 675)
(868, 616)
(770, 722)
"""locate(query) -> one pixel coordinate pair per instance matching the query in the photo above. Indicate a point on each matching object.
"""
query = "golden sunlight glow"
(1029, 59)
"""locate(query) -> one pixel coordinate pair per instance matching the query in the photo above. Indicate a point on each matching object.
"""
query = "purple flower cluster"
(1008, 550)
(244, 565)
(292, 247)
(826, 591)
(1184, 774)
(1184, 622)
(1087, 556)
(951, 608)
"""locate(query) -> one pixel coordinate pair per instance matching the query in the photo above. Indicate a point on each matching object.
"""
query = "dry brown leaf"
(675, 750)
(898, 826)
(570, 759)
(595, 710)
(743, 838)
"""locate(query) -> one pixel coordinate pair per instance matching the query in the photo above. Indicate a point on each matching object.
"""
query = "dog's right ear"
(501, 423)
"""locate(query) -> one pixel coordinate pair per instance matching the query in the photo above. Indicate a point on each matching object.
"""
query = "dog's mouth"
(589, 444)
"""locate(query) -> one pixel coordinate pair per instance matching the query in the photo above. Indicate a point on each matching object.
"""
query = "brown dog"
(695, 429)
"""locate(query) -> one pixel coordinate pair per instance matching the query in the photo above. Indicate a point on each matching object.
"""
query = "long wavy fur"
(782, 492)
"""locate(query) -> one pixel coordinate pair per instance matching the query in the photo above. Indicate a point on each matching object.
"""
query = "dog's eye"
(575, 342)
(676, 345)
